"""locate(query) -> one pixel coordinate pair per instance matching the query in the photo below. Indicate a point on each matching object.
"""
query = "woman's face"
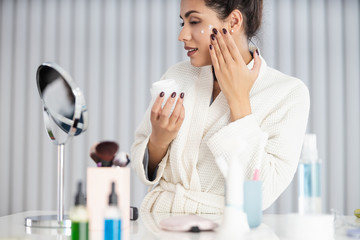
(198, 22)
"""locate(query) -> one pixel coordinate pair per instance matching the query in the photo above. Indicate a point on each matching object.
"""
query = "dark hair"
(250, 9)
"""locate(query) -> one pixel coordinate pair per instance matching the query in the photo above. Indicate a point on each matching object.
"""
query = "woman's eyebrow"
(187, 14)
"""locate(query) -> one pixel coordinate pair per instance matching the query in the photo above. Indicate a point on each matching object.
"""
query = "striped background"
(115, 49)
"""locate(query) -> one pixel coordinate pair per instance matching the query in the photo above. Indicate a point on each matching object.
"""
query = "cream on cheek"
(201, 34)
(202, 37)
(208, 30)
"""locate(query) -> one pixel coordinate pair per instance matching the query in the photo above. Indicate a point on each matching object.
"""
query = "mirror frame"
(80, 110)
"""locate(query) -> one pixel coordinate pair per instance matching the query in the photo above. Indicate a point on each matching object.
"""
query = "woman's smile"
(191, 51)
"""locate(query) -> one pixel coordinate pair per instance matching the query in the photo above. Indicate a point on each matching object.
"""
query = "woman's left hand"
(234, 77)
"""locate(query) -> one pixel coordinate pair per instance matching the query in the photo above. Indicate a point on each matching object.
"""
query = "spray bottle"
(79, 217)
(112, 223)
(309, 177)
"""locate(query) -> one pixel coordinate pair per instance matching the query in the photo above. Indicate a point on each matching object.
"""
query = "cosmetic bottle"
(112, 221)
(234, 223)
(309, 177)
(79, 217)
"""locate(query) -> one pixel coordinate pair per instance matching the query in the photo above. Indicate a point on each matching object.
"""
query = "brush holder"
(99, 181)
(253, 202)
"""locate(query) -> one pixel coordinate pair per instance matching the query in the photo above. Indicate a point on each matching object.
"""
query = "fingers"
(214, 58)
(181, 118)
(257, 63)
(231, 45)
(177, 110)
(217, 51)
(165, 112)
(221, 47)
(157, 107)
(225, 47)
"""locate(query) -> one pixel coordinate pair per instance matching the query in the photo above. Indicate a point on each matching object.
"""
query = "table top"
(274, 226)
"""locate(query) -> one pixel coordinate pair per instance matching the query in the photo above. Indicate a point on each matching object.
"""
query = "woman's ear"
(235, 21)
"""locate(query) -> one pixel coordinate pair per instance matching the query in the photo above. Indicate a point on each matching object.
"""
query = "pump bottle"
(309, 177)
(79, 217)
(112, 221)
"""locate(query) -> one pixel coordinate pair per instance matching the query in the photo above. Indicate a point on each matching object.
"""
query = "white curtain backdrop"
(115, 49)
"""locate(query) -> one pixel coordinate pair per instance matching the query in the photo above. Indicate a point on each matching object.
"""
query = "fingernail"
(162, 94)
(257, 52)
(224, 31)
(182, 95)
(215, 31)
(173, 94)
(212, 37)
(210, 46)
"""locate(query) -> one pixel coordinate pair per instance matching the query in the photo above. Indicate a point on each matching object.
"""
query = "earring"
(232, 30)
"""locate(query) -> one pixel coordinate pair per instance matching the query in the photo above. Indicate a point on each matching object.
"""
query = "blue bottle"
(112, 221)
(309, 178)
(253, 202)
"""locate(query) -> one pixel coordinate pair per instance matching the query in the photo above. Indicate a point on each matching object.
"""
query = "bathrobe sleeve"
(285, 126)
(146, 166)
(138, 150)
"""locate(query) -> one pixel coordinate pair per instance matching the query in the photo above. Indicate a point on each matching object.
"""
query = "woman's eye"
(191, 23)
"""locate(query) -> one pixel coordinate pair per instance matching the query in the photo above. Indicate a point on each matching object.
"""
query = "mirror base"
(47, 221)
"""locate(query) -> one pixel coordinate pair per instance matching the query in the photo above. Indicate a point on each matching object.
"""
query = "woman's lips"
(191, 51)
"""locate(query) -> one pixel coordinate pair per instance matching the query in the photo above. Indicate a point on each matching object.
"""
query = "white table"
(273, 227)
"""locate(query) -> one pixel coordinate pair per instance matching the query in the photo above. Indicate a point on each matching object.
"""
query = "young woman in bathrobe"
(229, 98)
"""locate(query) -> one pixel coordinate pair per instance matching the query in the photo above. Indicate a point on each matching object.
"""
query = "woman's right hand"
(165, 126)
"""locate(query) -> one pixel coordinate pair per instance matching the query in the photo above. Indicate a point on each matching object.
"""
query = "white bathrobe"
(188, 178)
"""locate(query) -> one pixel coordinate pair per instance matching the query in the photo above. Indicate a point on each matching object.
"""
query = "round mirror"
(65, 111)
(65, 115)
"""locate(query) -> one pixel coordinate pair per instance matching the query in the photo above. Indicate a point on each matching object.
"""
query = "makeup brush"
(103, 153)
(121, 159)
(93, 154)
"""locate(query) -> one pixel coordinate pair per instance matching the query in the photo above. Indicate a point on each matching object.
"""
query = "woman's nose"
(184, 35)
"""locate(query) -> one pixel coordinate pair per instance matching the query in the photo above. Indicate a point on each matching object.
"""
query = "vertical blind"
(115, 49)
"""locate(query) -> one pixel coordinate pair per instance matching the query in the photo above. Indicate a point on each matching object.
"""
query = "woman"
(229, 99)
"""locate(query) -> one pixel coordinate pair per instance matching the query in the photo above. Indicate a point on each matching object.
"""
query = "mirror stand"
(60, 220)
(60, 188)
